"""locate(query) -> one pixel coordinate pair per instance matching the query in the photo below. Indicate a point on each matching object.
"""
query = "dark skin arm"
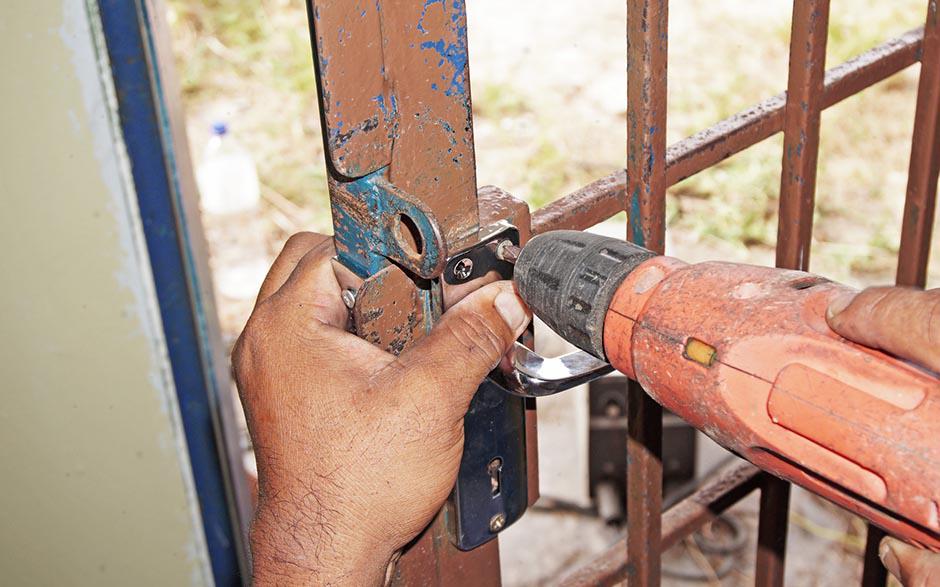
(357, 449)
(905, 323)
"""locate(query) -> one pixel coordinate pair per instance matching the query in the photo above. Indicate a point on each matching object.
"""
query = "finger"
(913, 567)
(313, 285)
(465, 345)
(294, 249)
(454, 293)
(903, 322)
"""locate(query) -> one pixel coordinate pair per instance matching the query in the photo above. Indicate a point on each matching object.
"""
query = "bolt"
(497, 523)
(349, 298)
(463, 269)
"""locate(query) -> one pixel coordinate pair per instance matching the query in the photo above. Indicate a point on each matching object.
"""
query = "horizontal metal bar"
(717, 494)
(605, 197)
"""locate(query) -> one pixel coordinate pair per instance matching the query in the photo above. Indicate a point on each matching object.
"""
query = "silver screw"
(497, 523)
(349, 298)
(463, 268)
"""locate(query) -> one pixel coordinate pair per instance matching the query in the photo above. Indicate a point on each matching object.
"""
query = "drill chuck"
(568, 279)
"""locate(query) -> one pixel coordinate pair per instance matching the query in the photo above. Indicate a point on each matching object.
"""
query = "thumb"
(912, 566)
(466, 344)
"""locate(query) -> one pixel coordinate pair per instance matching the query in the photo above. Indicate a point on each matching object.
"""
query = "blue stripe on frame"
(147, 137)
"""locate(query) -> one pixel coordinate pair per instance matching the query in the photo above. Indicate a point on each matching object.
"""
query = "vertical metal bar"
(647, 46)
(919, 206)
(874, 573)
(921, 197)
(801, 131)
(802, 116)
(772, 532)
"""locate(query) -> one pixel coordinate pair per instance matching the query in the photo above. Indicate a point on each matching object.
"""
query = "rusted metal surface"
(919, 207)
(802, 117)
(708, 502)
(772, 532)
(395, 95)
(716, 495)
(602, 199)
(647, 50)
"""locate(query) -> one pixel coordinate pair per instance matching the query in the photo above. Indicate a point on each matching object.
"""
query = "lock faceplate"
(488, 498)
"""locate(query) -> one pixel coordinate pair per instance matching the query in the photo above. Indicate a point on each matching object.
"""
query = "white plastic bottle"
(228, 178)
(230, 198)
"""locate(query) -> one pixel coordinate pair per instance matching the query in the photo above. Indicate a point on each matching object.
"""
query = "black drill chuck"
(568, 279)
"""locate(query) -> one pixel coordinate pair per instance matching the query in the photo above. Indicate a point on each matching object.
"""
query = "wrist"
(302, 546)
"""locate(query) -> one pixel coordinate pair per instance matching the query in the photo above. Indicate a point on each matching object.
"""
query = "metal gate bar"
(647, 50)
(921, 197)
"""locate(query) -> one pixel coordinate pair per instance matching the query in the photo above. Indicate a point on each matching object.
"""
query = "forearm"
(291, 546)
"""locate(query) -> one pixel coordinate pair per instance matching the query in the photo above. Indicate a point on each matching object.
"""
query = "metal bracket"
(481, 258)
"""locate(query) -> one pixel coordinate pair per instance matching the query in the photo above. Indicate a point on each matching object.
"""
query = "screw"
(463, 268)
(349, 298)
(497, 523)
(613, 410)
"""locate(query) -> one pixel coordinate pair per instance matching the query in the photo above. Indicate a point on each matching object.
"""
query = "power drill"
(744, 354)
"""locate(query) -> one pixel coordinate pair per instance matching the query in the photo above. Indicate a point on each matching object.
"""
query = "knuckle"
(479, 336)
(301, 238)
(933, 320)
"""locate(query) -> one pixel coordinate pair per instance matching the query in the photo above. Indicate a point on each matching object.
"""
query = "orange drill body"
(745, 355)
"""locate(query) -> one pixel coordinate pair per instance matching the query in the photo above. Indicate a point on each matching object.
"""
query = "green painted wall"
(96, 482)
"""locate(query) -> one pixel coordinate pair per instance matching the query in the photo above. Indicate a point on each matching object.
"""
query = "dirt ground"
(549, 87)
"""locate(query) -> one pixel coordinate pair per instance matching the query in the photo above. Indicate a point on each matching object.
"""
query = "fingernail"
(839, 303)
(889, 559)
(512, 310)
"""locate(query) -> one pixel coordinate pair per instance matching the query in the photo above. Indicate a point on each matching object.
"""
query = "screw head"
(497, 522)
(463, 269)
(349, 298)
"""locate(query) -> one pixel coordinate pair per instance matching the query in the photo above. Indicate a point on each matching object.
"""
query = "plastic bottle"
(228, 178)
(230, 198)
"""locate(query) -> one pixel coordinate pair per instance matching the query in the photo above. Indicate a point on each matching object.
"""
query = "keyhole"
(495, 471)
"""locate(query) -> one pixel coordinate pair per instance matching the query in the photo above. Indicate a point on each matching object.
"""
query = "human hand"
(357, 449)
(904, 323)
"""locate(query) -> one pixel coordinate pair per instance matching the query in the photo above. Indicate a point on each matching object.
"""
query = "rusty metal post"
(810, 30)
(647, 48)
(772, 532)
(921, 197)
(802, 117)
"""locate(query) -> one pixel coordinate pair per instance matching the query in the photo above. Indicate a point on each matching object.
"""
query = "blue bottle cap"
(219, 128)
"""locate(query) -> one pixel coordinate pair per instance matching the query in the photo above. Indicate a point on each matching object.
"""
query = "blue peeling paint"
(453, 53)
(635, 220)
(365, 250)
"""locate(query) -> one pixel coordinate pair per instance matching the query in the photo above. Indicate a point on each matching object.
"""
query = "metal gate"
(397, 124)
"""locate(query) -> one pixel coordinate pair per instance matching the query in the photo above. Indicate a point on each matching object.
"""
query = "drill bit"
(506, 251)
